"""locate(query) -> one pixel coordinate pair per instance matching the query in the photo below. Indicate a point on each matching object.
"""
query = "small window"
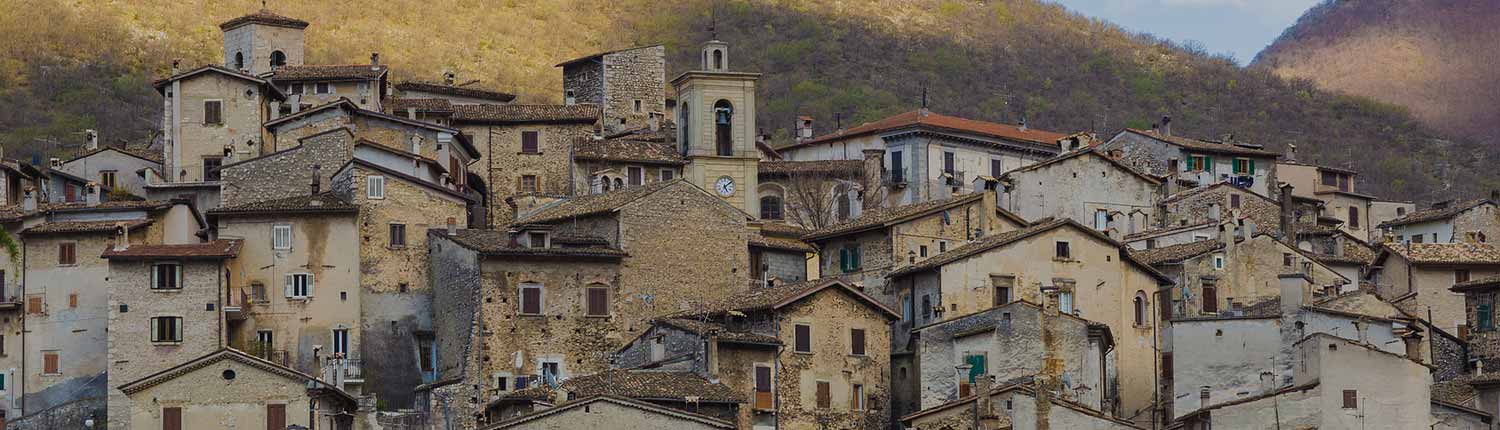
(166, 276)
(926, 306)
(1210, 298)
(1002, 285)
(770, 207)
(281, 237)
(278, 59)
(667, 174)
(299, 285)
(72, 300)
(857, 341)
(67, 253)
(1400, 211)
(107, 180)
(823, 395)
(49, 363)
(1219, 262)
(375, 187)
(922, 251)
(636, 174)
(942, 246)
(294, 89)
(531, 299)
(529, 142)
(34, 305)
(1234, 201)
(1063, 251)
(1101, 219)
(1288, 259)
(398, 235)
(857, 397)
(1140, 308)
(1461, 275)
(212, 112)
(211, 168)
(637, 106)
(598, 301)
(536, 239)
(948, 162)
(1351, 399)
(322, 88)
(1353, 217)
(527, 184)
(997, 168)
(803, 334)
(166, 329)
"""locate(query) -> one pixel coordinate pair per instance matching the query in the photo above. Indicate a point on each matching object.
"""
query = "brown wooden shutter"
(598, 301)
(763, 399)
(34, 305)
(528, 142)
(1351, 399)
(1210, 299)
(857, 341)
(275, 417)
(963, 389)
(212, 112)
(73, 300)
(171, 418)
(531, 301)
(49, 363)
(1164, 304)
(804, 338)
(823, 395)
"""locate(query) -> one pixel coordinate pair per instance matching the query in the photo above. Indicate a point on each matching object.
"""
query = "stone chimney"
(448, 78)
(1213, 211)
(91, 194)
(874, 172)
(1295, 289)
(1288, 228)
(28, 200)
(1338, 245)
(92, 141)
(1166, 125)
(374, 61)
(1049, 380)
(317, 179)
(711, 353)
(804, 128)
(1291, 152)
(122, 237)
(1022, 125)
(989, 204)
(653, 121)
(987, 418)
(1413, 343)
(452, 226)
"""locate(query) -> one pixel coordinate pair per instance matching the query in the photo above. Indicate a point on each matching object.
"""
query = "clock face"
(725, 186)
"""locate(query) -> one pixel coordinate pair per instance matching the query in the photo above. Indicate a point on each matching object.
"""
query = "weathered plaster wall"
(831, 314)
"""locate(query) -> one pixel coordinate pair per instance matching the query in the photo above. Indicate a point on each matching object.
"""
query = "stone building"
(1381, 211)
(120, 170)
(815, 194)
(601, 165)
(446, 146)
(1471, 221)
(1100, 191)
(1200, 162)
(614, 412)
(229, 387)
(716, 128)
(212, 116)
(1221, 275)
(307, 86)
(524, 153)
(166, 307)
(628, 84)
(778, 255)
(828, 363)
(454, 94)
(1095, 276)
(930, 156)
(15, 178)
(260, 42)
(1416, 277)
(1335, 188)
(1015, 405)
(680, 391)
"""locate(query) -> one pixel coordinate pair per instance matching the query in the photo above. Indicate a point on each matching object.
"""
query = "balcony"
(341, 371)
(265, 352)
(895, 177)
(237, 305)
(9, 302)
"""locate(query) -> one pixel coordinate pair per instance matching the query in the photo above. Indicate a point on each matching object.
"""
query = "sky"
(1237, 27)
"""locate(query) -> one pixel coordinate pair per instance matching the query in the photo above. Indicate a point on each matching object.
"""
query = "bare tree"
(817, 199)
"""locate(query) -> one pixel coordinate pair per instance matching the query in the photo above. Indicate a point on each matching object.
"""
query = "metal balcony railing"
(895, 176)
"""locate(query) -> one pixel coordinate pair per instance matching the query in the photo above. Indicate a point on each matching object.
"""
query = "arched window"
(841, 202)
(718, 59)
(278, 59)
(684, 125)
(1140, 308)
(724, 128)
(770, 207)
(239, 61)
(619, 183)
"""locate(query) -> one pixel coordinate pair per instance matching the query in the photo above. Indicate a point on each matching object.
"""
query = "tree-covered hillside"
(1001, 60)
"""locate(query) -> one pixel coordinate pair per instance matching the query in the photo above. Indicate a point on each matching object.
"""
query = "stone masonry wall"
(630, 76)
(287, 173)
(132, 355)
(503, 163)
(586, 80)
(831, 314)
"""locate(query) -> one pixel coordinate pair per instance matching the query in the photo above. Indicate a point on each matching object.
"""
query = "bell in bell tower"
(716, 117)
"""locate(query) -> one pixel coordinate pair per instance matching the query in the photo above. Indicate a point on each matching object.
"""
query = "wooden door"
(171, 418)
(275, 417)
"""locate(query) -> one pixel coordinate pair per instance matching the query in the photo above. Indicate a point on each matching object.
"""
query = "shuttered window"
(1351, 399)
(166, 276)
(49, 363)
(528, 142)
(67, 253)
(171, 418)
(531, 299)
(598, 301)
(166, 329)
(299, 285)
(213, 113)
(275, 417)
(375, 187)
(398, 235)
(803, 334)
(1483, 317)
(824, 399)
(281, 237)
(34, 305)
(857, 341)
(1210, 299)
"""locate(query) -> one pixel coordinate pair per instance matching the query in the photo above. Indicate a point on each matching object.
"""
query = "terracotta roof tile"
(1204, 145)
(265, 17)
(67, 227)
(927, 119)
(320, 203)
(826, 167)
(496, 242)
(979, 245)
(1449, 211)
(452, 90)
(1481, 284)
(703, 328)
(786, 243)
(1079, 153)
(1176, 253)
(584, 113)
(1355, 252)
(399, 106)
(1447, 253)
(882, 216)
(110, 206)
(592, 204)
(646, 384)
(327, 72)
(1457, 391)
(768, 298)
(218, 249)
(627, 150)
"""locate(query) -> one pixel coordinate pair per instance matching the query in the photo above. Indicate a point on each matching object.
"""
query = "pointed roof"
(1216, 147)
(601, 54)
(161, 84)
(888, 216)
(1086, 152)
(777, 297)
(923, 118)
(263, 17)
(1432, 214)
(455, 90)
(993, 241)
(231, 354)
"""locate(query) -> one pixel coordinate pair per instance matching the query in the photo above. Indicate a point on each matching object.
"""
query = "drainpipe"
(776, 375)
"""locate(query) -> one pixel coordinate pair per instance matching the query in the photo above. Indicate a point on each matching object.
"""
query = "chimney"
(1291, 152)
(91, 194)
(411, 112)
(317, 178)
(175, 63)
(1338, 245)
(54, 162)
(874, 172)
(653, 121)
(122, 237)
(987, 418)
(1166, 125)
(452, 226)
(448, 78)
(374, 61)
(804, 128)
(1249, 228)
(1203, 396)
(1413, 343)
(28, 201)
(1363, 330)
(1295, 288)
(1288, 228)
(989, 204)
(1022, 125)
(711, 351)
(93, 140)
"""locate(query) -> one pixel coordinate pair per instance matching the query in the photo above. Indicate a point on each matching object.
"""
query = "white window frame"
(541, 298)
(375, 187)
(340, 343)
(178, 333)
(326, 88)
(281, 237)
(1218, 262)
(306, 287)
(177, 274)
(666, 174)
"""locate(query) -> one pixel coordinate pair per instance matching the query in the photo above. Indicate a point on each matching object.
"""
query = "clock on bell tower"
(715, 123)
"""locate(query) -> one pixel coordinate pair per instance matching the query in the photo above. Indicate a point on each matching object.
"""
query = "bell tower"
(715, 128)
(261, 41)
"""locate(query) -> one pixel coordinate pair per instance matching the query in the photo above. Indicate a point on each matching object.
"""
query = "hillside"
(1000, 60)
(1435, 57)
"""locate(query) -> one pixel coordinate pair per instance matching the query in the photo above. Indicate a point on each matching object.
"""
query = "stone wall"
(831, 314)
(132, 354)
(629, 76)
(1013, 348)
(241, 107)
(69, 415)
(1482, 221)
(77, 333)
(502, 163)
(586, 80)
(788, 266)
(288, 173)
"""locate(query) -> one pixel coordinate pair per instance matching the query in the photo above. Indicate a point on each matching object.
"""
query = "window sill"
(1064, 260)
(859, 356)
(396, 247)
(807, 353)
(177, 343)
(166, 290)
(597, 317)
(68, 265)
(52, 374)
(529, 153)
(542, 316)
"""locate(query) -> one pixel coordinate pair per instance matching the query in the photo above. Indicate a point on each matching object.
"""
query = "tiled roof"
(452, 90)
(64, 227)
(1079, 153)
(927, 119)
(223, 248)
(264, 17)
(1204, 145)
(601, 54)
(768, 298)
(585, 113)
(327, 72)
(1360, 303)
(655, 385)
(1446, 212)
(12, 213)
(1355, 252)
(137, 151)
(1165, 230)
(627, 150)
(782, 230)
(824, 167)
(1002, 239)
(496, 242)
(541, 393)
(320, 203)
(1486, 283)
(703, 328)
(1176, 253)
(880, 217)
(1457, 391)
(791, 244)
(1447, 253)
(399, 106)
(593, 204)
(109, 206)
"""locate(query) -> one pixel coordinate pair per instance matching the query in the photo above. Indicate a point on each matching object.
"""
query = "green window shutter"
(1483, 315)
(1208, 164)
(843, 259)
(1252, 167)
(855, 264)
(976, 366)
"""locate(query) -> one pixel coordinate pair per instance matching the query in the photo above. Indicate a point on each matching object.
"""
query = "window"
(637, 106)
(107, 180)
(171, 418)
(636, 175)
(375, 187)
(1003, 285)
(398, 235)
(803, 335)
(948, 162)
(1353, 217)
(1101, 219)
(1140, 308)
(569, 98)
(299, 285)
(211, 168)
(1416, 238)
(426, 360)
(1234, 201)
(239, 61)
(34, 305)
(536, 239)
(906, 313)
(658, 348)
(1351, 399)
(996, 168)
(1288, 260)
(531, 299)
(943, 246)
(294, 89)
(527, 184)
(166, 329)
(49, 363)
(502, 383)
(1063, 251)
(1199, 163)
(281, 237)
(977, 370)
(922, 251)
(550, 372)
(1210, 298)
(1219, 262)
(529, 142)
(857, 341)
(724, 128)
(1244, 166)
(166, 276)
(1483, 314)
(278, 59)
(667, 174)
(341, 342)
(823, 395)
(322, 88)
(926, 306)
(1065, 302)
(67, 253)
(1461, 275)
(73, 300)
(598, 301)
(763, 397)
(898, 167)
(770, 207)
(1328, 178)
(213, 113)
(857, 397)
(849, 258)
